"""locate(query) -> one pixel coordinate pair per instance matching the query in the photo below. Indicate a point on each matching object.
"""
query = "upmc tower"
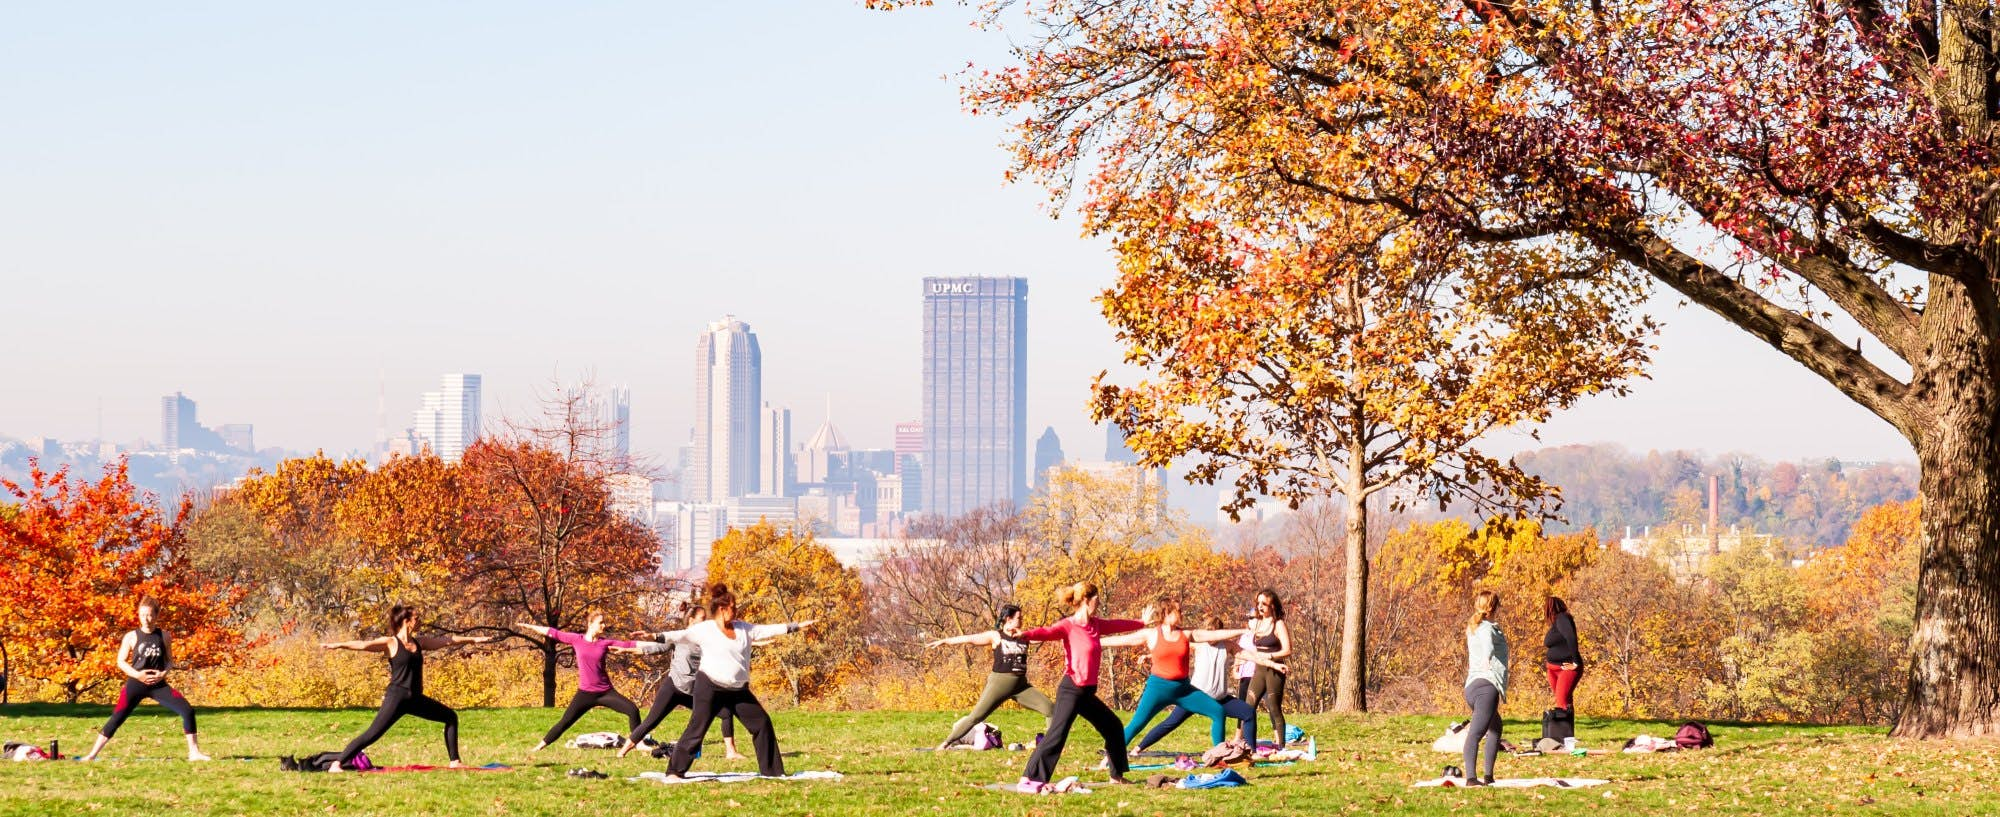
(975, 393)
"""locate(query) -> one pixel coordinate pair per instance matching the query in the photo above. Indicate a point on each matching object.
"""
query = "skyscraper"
(1048, 454)
(448, 420)
(778, 477)
(608, 413)
(1115, 449)
(181, 430)
(975, 393)
(728, 396)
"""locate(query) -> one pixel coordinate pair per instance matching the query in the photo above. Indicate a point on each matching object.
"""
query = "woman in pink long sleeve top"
(593, 687)
(1076, 696)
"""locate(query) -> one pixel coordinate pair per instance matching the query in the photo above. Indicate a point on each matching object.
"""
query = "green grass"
(1366, 765)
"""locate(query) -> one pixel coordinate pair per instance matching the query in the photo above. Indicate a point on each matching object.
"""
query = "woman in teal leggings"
(1168, 685)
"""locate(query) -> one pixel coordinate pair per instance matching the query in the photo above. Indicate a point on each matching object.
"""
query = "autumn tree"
(300, 563)
(550, 547)
(80, 554)
(1819, 175)
(1863, 599)
(787, 575)
(946, 576)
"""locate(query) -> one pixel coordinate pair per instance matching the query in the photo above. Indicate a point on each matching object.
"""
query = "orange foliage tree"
(781, 576)
(79, 556)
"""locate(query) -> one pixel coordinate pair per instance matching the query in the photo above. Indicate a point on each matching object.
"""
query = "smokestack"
(1714, 512)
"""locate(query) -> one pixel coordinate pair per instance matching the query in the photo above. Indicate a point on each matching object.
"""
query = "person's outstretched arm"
(364, 645)
(759, 632)
(1212, 636)
(985, 639)
(666, 642)
(1137, 638)
(440, 642)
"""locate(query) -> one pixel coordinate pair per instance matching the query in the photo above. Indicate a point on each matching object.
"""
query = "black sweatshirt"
(1561, 641)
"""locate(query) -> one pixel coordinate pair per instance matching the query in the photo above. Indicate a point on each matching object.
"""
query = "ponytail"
(1075, 595)
(1484, 604)
(398, 614)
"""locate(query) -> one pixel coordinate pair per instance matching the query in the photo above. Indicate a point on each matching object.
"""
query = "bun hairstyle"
(1484, 604)
(1076, 594)
(1164, 605)
(1006, 611)
(1211, 622)
(398, 615)
(719, 597)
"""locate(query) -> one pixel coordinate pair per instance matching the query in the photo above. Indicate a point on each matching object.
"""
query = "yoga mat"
(731, 777)
(419, 767)
(1516, 782)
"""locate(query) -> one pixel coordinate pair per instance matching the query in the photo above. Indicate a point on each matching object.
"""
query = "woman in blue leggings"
(1168, 685)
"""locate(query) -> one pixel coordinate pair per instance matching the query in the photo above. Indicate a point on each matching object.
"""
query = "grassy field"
(1366, 766)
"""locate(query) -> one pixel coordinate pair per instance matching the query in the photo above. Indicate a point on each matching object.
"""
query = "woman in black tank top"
(1273, 644)
(144, 658)
(405, 695)
(1009, 679)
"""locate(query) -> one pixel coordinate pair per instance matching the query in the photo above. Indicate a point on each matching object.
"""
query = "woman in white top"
(1485, 684)
(723, 681)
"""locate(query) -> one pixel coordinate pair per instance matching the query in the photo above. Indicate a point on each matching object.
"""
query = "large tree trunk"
(1954, 681)
(1351, 692)
(548, 673)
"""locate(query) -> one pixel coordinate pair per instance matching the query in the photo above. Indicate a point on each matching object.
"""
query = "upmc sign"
(954, 287)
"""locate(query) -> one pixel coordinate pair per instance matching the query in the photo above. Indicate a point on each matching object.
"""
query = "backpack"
(24, 751)
(983, 737)
(1213, 780)
(1233, 750)
(1693, 735)
(1558, 724)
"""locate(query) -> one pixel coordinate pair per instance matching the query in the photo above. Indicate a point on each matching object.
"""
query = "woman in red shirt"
(1076, 696)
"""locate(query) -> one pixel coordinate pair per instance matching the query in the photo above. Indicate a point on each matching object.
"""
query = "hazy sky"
(276, 208)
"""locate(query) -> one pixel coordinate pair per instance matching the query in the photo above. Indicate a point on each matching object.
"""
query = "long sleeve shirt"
(1082, 654)
(1562, 642)
(725, 660)
(590, 675)
(680, 670)
(1486, 656)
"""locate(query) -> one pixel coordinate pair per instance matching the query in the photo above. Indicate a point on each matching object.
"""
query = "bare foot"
(626, 749)
(88, 758)
(335, 767)
(735, 756)
(456, 765)
(197, 757)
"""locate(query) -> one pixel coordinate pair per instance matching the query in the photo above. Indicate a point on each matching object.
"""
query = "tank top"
(149, 650)
(1010, 656)
(406, 669)
(1267, 642)
(1170, 657)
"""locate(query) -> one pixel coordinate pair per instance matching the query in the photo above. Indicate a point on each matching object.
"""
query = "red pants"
(1563, 681)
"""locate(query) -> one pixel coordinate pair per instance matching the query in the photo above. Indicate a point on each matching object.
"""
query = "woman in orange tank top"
(1168, 685)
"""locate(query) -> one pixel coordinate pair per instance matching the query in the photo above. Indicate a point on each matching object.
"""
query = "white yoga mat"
(732, 777)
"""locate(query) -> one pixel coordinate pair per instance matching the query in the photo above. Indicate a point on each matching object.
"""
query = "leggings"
(709, 701)
(1231, 706)
(1001, 687)
(1267, 689)
(665, 700)
(396, 703)
(1074, 702)
(1161, 693)
(583, 702)
(135, 691)
(1485, 702)
(1563, 683)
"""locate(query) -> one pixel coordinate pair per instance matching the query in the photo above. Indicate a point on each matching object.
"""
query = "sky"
(285, 211)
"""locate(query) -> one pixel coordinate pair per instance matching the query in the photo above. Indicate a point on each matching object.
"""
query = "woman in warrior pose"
(1208, 673)
(593, 687)
(1076, 696)
(1009, 679)
(405, 695)
(723, 681)
(1171, 648)
(144, 657)
(677, 691)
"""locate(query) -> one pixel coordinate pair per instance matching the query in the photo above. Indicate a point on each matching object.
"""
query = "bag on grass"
(1233, 750)
(598, 740)
(322, 762)
(1558, 723)
(1213, 780)
(983, 737)
(1453, 739)
(23, 751)
(1294, 734)
(1693, 735)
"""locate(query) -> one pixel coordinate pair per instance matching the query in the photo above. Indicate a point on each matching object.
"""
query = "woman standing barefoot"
(1076, 696)
(678, 690)
(1485, 684)
(405, 695)
(593, 687)
(1009, 679)
(144, 656)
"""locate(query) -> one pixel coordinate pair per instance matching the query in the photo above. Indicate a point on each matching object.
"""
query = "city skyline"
(490, 185)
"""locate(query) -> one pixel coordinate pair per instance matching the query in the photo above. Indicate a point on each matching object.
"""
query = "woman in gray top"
(677, 691)
(1485, 684)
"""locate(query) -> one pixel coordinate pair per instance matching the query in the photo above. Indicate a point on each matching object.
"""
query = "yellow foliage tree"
(786, 575)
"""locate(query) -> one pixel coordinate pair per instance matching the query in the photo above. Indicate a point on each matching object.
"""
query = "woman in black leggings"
(1273, 644)
(144, 658)
(593, 686)
(677, 690)
(405, 695)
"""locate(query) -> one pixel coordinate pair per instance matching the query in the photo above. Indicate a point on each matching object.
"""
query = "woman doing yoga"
(1168, 684)
(724, 681)
(1009, 679)
(677, 690)
(1076, 696)
(1273, 643)
(405, 695)
(144, 657)
(1485, 684)
(1209, 672)
(593, 687)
